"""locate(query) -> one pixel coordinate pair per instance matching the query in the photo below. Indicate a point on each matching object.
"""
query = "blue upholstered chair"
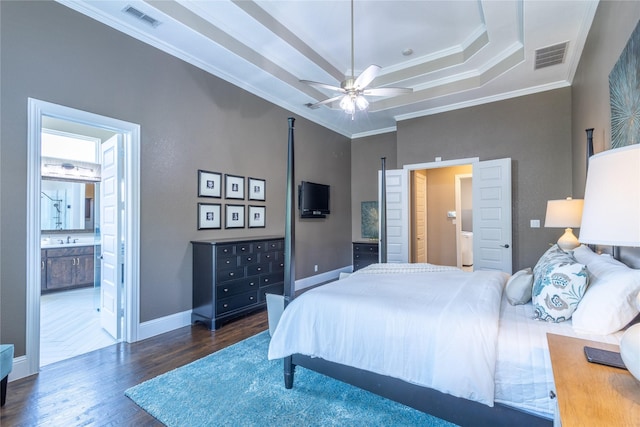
(6, 364)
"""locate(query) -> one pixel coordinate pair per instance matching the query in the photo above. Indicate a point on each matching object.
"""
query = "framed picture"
(369, 219)
(256, 189)
(234, 187)
(257, 216)
(209, 184)
(209, 216)
(234, 215)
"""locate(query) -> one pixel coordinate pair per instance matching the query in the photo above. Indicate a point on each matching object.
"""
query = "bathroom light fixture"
(565, 213)
(66, 170)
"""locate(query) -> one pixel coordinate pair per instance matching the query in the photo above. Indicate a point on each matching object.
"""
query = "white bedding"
(524, 376)
(426, 336)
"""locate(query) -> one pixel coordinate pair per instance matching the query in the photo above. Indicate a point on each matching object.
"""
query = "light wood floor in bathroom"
(70, 325)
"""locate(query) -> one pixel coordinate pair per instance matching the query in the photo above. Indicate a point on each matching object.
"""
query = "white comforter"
(432, 328)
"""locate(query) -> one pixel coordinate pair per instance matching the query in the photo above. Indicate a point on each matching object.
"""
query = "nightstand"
(364, 254)
(590, 394)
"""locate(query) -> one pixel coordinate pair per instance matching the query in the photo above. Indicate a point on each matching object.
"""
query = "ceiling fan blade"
(367, 76)
(387, 91)
(324, 86)
(326, 101)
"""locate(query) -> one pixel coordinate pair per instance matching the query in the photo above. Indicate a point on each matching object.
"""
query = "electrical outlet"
(315, 267)
(535, 223)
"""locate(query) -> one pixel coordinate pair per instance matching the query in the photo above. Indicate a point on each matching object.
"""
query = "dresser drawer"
(248, 259)
(243, 248)
(357, 265)
(259, 247)
(275, 245)
(236, 287)
(254, 270)
(365, 248)
(235, 302)
(271, 279)
(277, 266)
(226, 274)
(269, 256)
(228, 261)
(225, 250)
(70, 251)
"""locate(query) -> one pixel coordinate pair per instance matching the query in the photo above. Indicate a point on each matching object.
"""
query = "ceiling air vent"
(550, 55)
(141, 16)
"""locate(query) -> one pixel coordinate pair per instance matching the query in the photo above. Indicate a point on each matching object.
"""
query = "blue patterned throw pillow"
(558, 286)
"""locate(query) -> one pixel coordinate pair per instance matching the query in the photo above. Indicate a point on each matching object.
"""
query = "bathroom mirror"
(68, 206)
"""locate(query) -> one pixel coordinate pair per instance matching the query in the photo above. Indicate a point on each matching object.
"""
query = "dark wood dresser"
(364, 253)
(232, 276)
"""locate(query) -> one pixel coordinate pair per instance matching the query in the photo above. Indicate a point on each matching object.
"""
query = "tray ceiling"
(453, 54)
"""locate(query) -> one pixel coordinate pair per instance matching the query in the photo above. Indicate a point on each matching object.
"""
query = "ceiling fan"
(352, 91)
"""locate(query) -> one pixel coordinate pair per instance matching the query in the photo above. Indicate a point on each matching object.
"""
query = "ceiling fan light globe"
(362, 103)
(347, 104)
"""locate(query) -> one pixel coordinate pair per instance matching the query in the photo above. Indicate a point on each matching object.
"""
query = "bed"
(474, 358)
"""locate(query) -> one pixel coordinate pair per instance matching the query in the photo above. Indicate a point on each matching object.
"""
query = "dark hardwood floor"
(88, 390)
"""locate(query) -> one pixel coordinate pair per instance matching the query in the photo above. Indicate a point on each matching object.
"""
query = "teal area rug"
(238, 386)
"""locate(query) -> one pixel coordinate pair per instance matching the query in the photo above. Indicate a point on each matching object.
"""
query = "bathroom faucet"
(68, 239)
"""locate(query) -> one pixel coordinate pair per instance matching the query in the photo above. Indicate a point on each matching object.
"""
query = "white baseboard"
(163, 324)
(20, 368)
(322, 278)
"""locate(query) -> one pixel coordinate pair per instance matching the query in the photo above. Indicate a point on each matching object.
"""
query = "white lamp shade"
(564, 213)
(611, 214)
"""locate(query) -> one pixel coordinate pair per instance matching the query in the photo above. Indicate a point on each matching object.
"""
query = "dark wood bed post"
(589, 144)
(289, 245)
(383, 212)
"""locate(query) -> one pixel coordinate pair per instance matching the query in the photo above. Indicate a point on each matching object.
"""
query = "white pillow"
(609, 303)
(584, 255)
(518, 287)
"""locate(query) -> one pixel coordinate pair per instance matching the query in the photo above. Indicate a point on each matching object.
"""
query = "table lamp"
(565, 213)
(611, 216)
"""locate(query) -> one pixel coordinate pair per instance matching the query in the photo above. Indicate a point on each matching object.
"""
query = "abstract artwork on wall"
(369, 220)
(624, 94)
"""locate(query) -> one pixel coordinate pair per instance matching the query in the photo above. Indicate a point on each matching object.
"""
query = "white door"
(397, 215)
(110, 228)
(492, 246)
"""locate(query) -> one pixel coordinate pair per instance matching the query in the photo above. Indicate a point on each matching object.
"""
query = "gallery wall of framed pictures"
(235, 189)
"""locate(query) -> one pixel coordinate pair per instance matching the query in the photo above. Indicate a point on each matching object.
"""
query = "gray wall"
(189, 120)
(534, 131)
(365, 164)
(613, 24)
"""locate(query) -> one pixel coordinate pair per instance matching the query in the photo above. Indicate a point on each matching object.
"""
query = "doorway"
(491, 194)
(43, 112)
(70, 240)
(436, 215)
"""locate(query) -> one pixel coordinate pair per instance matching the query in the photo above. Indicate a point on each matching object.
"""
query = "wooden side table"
(590, 394)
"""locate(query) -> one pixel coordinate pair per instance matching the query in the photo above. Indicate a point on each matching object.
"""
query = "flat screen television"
(313, 200)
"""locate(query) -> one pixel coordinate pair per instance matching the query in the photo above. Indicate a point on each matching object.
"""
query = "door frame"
(131, 143)
(434, 165)
(458, 189)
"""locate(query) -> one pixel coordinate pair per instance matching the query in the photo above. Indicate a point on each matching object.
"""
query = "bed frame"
(457, 410)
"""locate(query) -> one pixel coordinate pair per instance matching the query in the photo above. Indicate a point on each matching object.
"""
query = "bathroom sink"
(79, 241)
